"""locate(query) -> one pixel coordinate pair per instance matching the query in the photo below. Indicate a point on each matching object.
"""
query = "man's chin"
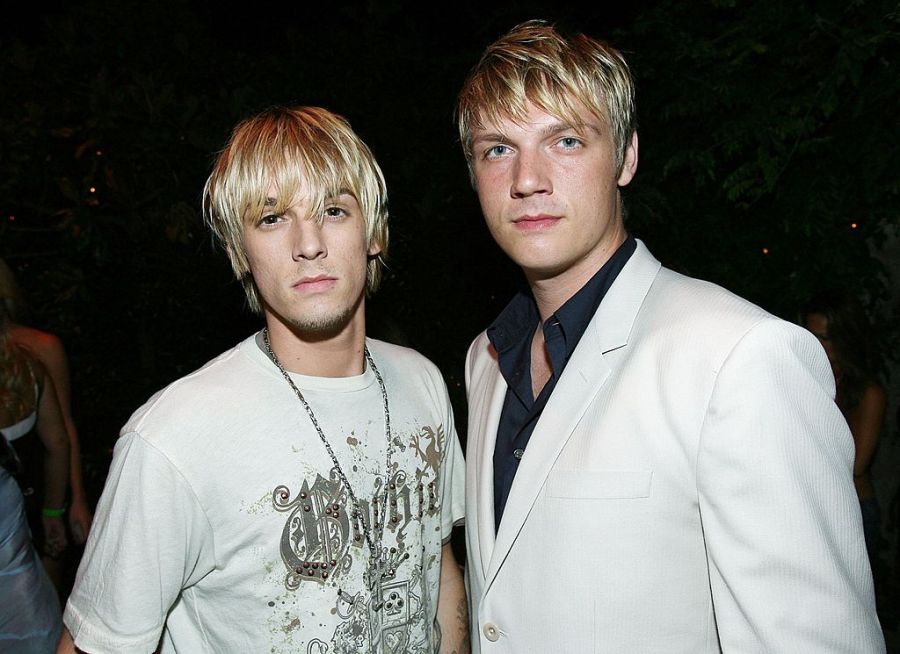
(540, 270)
(319, 322)
(320, 326)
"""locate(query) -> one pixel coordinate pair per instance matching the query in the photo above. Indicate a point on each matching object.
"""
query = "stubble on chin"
(322, 323)
(321, 326)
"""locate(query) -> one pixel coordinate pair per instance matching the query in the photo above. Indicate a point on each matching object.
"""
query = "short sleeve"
(150, 540)
(453, 474)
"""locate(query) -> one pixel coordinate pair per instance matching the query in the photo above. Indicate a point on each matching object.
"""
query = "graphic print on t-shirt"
(323, 545)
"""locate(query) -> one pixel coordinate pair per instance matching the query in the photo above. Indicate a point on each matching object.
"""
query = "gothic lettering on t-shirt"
(323, 543)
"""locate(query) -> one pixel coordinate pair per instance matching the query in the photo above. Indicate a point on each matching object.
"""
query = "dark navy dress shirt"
(511, 334)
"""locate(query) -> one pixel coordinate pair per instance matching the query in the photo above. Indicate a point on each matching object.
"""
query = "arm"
(52, 432)
(452, 611)
(66, 644)
(865, 424)
(781, 521)
(49, 350)
(151, 539)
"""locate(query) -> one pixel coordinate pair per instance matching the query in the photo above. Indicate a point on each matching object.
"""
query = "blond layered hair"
(534, 63)
(294, 149)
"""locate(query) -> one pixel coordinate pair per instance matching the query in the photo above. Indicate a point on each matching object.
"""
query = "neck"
(552, 291)
(320, 354)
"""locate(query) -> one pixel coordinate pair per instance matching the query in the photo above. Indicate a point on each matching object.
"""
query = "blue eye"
(269, 219)
(569, 142)
(497, 151)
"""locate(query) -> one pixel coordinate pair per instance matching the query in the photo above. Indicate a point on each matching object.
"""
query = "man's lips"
(535, 223)
(316, 283)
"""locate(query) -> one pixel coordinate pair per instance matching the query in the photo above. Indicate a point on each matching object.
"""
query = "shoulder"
(702, 321)
(678, 302)
(481, 346)
(482, 364)
(771, 338)
(401, 357)
(43, 345)
(674, 295)
(697, 299)
(410, 370)
(209, 395)
(31, 336)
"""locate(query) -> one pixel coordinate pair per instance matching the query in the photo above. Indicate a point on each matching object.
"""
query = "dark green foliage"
(763, 125)
(769, 126)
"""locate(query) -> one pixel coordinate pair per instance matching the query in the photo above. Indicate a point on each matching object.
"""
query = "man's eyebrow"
(547, 130)
(270, 202)
(490, 136)
(564, 126)
(557, 127)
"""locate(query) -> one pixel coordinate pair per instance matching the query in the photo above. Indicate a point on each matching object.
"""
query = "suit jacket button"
(491, 632)
(518, 453)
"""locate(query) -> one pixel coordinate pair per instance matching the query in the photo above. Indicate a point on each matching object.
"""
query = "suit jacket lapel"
(486, 395)
(581, 381)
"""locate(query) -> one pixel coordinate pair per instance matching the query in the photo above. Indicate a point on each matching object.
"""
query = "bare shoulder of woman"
(43, 345)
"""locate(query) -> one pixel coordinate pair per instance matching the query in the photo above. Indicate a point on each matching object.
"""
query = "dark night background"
(769, 164)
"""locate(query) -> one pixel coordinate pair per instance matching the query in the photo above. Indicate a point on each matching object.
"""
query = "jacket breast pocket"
(599, 484)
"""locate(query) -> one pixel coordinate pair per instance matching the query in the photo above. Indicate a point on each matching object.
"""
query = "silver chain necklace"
(379, 568)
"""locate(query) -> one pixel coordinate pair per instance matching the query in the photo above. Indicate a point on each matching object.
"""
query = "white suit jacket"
(688, 488)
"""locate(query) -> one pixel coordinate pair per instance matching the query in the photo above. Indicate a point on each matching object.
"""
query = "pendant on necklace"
(375, 576)
(381, 568)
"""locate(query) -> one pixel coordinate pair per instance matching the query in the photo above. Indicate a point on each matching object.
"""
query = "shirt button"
(491, 632)
(518, 453)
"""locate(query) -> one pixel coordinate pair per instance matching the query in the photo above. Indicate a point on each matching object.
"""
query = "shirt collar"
(515, 323)
(575, 314)
(518, 319)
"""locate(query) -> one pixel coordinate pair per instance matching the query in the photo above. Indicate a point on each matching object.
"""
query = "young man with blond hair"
(297, 493)
(654, 464)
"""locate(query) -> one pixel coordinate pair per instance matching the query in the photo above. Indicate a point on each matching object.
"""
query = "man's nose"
(308, 241)
(530, 175)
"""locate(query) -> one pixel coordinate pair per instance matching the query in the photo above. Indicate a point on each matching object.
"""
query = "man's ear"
(375, 248)
(630, 162)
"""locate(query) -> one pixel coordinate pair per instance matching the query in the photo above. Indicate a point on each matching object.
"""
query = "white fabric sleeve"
(453, 473)
(781, 521)
(150, 539)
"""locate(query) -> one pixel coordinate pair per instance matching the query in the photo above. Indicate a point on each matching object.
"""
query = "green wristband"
(53, 513)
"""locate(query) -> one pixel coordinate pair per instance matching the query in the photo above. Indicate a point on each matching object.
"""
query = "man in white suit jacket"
(653, 464)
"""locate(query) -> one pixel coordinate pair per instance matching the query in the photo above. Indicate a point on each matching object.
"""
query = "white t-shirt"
(224, 526)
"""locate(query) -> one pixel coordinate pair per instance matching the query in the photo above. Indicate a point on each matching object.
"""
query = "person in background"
(48, 349)
(842, 327)
(34, 460)
(30, 617)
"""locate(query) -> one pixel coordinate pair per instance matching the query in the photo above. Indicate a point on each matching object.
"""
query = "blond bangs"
(534, 63)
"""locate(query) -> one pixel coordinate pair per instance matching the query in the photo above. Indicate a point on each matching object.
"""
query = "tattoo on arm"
(462, 616)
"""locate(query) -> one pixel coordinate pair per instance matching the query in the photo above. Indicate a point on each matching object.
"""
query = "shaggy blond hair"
(534, 63)
(293, 148)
